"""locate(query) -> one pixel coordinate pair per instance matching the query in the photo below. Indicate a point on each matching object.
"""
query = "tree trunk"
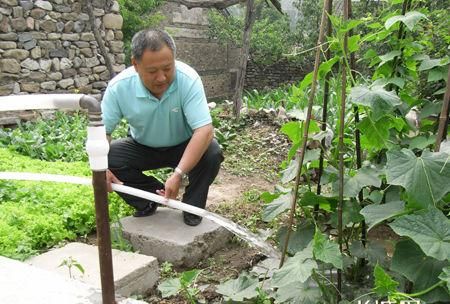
(98, 39)
(249, 20)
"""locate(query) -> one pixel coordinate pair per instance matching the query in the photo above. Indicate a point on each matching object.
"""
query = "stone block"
(30, 44)
(178, 32)
(9, 36)
(113, 21)
(16, 54)
(165, 236)
(30, 64)
(31, 87)
(10, 2)
(65, 83)
(48, 26)
(5, 45)
(48, 85)
(19, 24)
(45, 5)
(133, 273)
(23, 284)
(37, 13)
(9, 66)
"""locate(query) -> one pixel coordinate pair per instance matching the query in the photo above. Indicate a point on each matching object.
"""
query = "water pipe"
(97, 148)
(240, 231)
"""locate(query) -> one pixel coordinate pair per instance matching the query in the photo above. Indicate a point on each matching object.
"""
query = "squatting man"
(164, 103)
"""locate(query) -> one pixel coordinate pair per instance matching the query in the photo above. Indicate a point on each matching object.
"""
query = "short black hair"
(151, 39)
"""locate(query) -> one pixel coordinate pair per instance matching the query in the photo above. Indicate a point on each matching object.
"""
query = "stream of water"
(238, 230)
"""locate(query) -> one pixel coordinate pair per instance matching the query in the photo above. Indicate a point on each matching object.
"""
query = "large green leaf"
(426, 178)
(291, 171)
(389, 56)
(384, 284)
(299, 238)
(300, 293)
(410, 19)
(327, 251)
(279, 205)
(311, 199)
(244, 287)
(189, 276)
(375, 134)
(169, 287)
(373, 252)
(377, 98)
(410, 261)
(375, 214)
(429, 63)
(296, 269)
(430, 229)
(365, 176)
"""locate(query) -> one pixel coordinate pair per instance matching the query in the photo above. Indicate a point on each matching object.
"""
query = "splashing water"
(238, 230)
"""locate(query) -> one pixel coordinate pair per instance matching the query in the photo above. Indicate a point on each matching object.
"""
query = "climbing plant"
(403, 184)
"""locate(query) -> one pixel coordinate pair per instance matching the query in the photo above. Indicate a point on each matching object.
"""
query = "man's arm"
(194, 151)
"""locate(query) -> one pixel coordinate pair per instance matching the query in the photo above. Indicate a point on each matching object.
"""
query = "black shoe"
(149, 210)
(191, 219)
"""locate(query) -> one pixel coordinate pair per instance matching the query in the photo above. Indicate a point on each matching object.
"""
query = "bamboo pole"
(357, 136)
(326, 97)
(443, 118)
(305, 131)
(341, 146)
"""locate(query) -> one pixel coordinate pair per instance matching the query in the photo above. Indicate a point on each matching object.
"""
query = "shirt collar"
(143, 92)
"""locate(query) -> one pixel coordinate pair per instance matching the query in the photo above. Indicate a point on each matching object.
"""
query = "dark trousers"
(127, 159)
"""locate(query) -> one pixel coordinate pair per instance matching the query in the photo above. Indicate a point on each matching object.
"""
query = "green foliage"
(61, 138)
(240, 289)
(138, 15)
(185, 284)
(426, 178)
(400, 182)
(270, 39)
(384, 284)
(430, 229)
(71, 262)
(36, 216)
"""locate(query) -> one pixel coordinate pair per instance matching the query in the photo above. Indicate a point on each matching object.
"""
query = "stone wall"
(48, 46)
(216, 63)
(272, 76)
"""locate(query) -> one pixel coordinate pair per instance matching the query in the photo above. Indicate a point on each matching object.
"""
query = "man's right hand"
(111, 178)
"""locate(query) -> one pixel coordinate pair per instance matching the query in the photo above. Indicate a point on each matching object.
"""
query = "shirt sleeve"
(195, 105)
(111, 113)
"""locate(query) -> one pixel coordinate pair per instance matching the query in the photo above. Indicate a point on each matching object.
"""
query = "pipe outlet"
(97, 148)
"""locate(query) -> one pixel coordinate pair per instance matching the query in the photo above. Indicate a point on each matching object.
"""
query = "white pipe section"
(97, 148)
(40, 102)
(231, 226)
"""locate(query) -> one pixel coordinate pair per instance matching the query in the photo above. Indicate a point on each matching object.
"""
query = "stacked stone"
(273, 76)
(48, 46)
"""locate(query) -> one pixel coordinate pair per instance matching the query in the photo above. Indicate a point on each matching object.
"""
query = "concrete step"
(165, 236)
(133, 273)
(21, 283)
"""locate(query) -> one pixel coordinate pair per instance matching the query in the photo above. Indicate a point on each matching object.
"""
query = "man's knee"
(115, 154)
(214, 155)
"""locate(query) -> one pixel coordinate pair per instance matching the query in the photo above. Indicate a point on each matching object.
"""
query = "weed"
(71, 262)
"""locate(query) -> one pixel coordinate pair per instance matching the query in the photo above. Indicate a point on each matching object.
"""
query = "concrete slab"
(133, 273)
(21, 283)
(165, 236)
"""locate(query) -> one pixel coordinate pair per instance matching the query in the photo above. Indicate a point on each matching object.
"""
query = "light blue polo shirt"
(157, 123)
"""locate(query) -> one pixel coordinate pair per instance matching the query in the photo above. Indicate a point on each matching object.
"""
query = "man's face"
(156, 70)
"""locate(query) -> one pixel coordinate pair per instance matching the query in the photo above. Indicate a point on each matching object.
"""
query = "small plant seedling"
(71, 262)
